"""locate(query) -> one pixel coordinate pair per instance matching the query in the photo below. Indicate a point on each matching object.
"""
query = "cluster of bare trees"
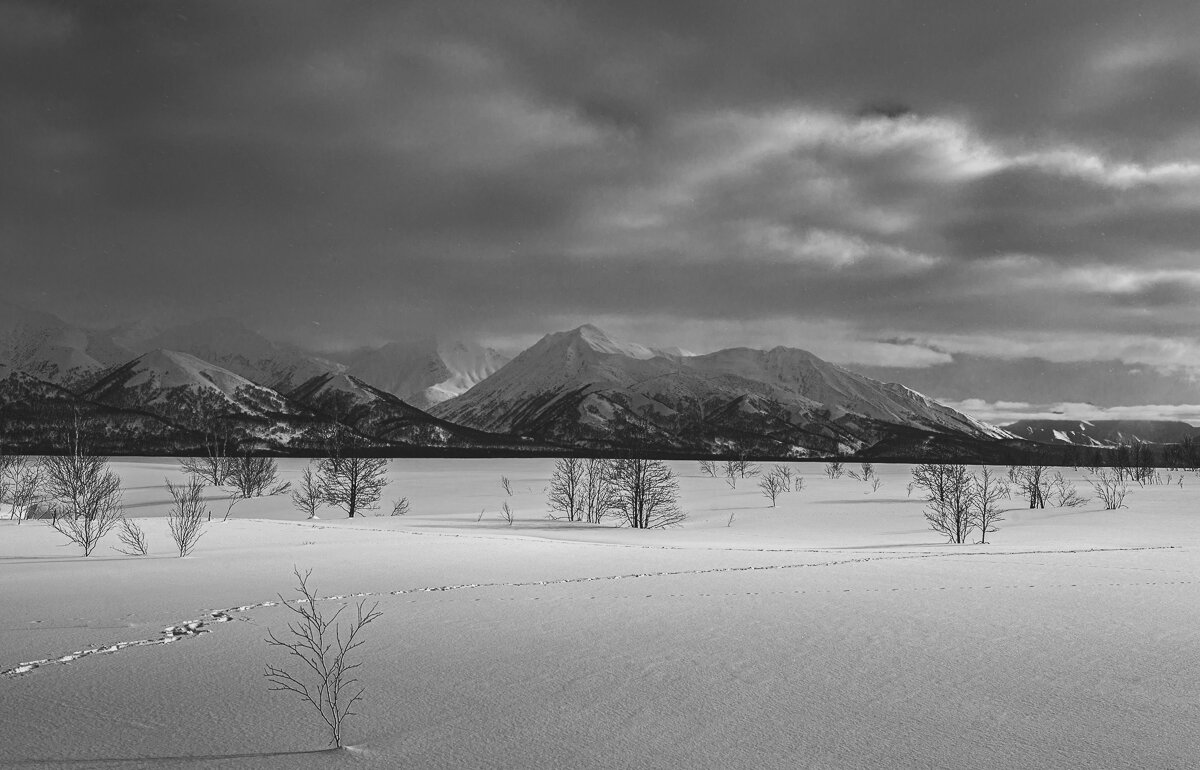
(959, 502)
(353, 484)
(642, 494)
(243, 475)
(778, 480)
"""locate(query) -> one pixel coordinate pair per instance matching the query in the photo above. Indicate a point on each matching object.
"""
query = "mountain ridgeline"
(578, 391)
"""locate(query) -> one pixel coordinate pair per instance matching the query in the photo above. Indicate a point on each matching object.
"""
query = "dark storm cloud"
(934, 170)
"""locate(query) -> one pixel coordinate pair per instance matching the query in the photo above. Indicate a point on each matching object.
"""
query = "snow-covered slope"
(584, 385)
(233, 346)
(48, 347)
(426, 372)
(181, 386)
(378, 414)
(1104, 433)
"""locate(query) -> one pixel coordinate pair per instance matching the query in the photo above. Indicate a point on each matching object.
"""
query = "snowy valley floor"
(834, 630)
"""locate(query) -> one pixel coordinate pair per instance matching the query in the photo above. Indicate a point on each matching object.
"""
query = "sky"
(887, 184)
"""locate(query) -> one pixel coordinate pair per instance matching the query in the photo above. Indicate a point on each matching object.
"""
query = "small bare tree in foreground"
(307, 496)
(506, 484)
(400, 507)
(133, 538)
(506, 513)
(1064, 493)
(85, 497)
(322, 674)
(835, 469)
(708, 468)
(645, 493)
(567, 487)
(186, 517)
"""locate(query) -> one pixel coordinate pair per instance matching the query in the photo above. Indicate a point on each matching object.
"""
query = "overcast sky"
(879, 182)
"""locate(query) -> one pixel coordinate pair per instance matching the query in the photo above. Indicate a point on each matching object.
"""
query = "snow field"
(831, 631)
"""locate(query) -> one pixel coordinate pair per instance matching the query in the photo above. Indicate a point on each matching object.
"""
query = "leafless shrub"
(506, 485)
(1034, 483)
(20, 484)
(307, 496)
(506, 513)
(1111, 488)
(133, 538)
(85, 497)
(745, 468)
(708, 468)
(875, 483)
(1064, 493)
(187, 515)
(254, 476)
(322, 674)
(771, 486)
(213, 466)
(729, 470)
(835, 469)
(785, 476)
(400, 507)
(730, 522)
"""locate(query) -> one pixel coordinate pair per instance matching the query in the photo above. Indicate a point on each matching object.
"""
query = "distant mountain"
(200, 396)
(375, 413)
(37, 416)
(583, 387)
(44, 345)
(1103, 433)
(1038, 381)
(425, 372)
(231, 345)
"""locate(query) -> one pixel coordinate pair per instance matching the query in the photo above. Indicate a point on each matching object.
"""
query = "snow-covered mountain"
(426, 372)
(1103, 433)
(192, 392)
(584, 386)
(231, 345)
(374, 412)
(44, 345)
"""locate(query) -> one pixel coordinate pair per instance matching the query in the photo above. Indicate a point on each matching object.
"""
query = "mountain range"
(144, 390)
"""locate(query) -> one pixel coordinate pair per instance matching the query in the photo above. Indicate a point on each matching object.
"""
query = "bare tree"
(322, 674)
(772, 486)
(950, 506)
(354, 484)
(785, 476)
(186, 517)
(254, 476)
(213, 466)
(597, 490)
(308, 495)
(400, 507)
(1034, 482)
(20, 484)
(989, 491)
(1064, 493)
(506, 484)
(133, 538)
(567, 488)
(85, 496)
(646, 493)
(506, 513)
(729, 469)
(745, 468)
(1111, 488)
(835, 469)
(708, 468)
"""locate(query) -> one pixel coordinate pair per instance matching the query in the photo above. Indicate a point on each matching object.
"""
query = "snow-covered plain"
(834, 630)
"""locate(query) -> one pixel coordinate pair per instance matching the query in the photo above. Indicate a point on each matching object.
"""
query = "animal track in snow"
(192, 628)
